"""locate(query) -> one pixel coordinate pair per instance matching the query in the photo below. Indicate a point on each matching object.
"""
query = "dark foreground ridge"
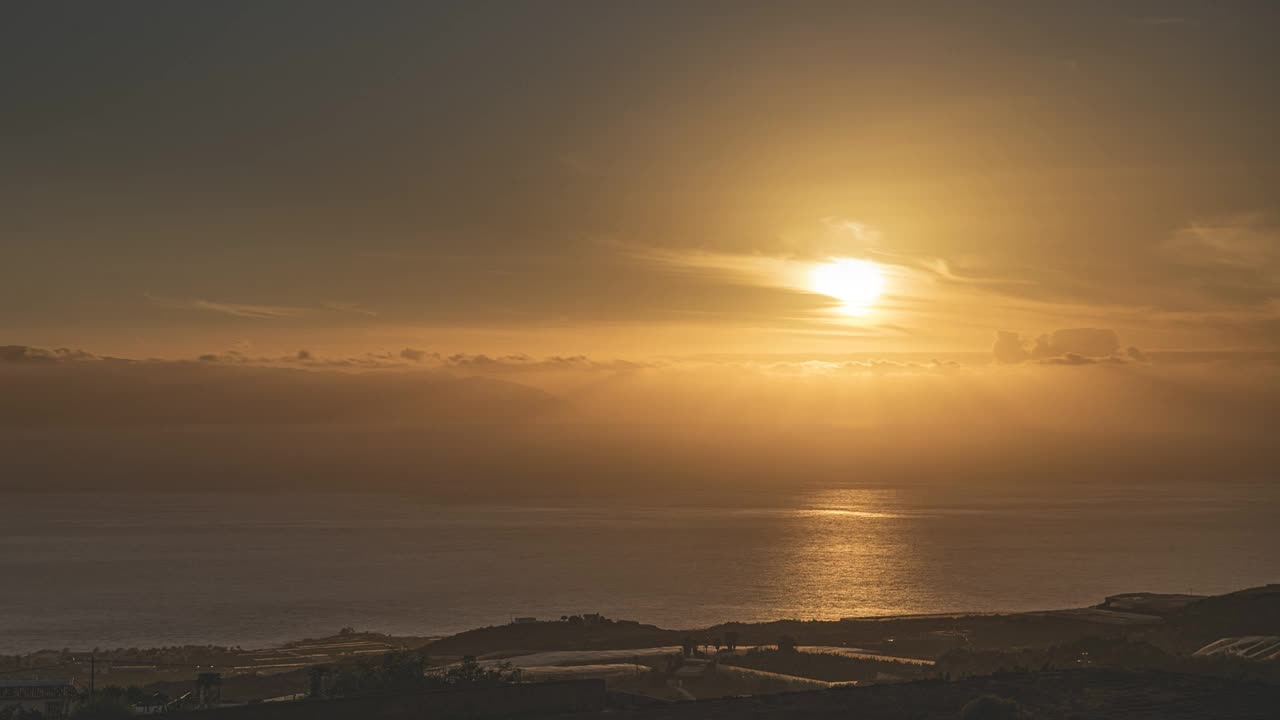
(1136, 655)
(1054, 695)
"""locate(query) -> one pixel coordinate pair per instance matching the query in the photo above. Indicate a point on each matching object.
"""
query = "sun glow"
(855, 283)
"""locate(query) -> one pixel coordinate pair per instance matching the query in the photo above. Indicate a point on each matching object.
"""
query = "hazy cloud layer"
(66, 393)
(459, 426)
(692, 427)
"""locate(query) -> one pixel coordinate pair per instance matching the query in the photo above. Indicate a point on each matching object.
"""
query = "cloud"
(229, 356)
(1009, 347)
(1078, 359)
(23, 354)
(230, 389)
(1089, 342)
(348, 307)
(257, 311)
(1230, 264)
(479, 364)
(306, 359)
(862, 233)
(244, 310)
(416, 355)
(509, 363)
(944, 269)
(1248, 243)
(1070, 346)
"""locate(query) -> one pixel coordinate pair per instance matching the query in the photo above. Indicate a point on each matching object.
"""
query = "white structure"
(1252, 647)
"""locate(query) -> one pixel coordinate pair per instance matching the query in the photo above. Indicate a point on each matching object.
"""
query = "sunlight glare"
(855, 283)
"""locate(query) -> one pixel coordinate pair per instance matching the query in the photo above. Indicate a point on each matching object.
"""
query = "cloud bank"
(474, 425)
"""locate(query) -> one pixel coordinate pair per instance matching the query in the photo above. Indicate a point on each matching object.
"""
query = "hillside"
(606, 634)
(1255, 611)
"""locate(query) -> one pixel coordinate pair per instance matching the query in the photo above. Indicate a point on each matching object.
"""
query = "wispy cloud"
(255, 311)
(943, 269)
(348, 307)
(1241, 242)
(245, 310)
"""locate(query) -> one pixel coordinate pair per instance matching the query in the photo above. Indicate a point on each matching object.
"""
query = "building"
(52, 698)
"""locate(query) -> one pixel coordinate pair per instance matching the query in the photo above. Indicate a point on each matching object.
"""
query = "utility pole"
(93, 667)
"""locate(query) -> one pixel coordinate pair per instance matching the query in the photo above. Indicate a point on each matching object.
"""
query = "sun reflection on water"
(851, 554)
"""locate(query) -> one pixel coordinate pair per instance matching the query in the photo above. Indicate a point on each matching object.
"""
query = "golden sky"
(637, 181)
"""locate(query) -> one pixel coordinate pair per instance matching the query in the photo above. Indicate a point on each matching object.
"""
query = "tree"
(787, 644)
(406, 672)
(470, 673)
(731, 639)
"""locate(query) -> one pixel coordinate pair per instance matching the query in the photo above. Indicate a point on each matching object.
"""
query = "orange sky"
(632, 182)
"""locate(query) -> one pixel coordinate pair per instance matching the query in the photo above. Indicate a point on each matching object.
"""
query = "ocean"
(152, 569)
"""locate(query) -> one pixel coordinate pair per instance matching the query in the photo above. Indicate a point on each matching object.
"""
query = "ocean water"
(137, 570)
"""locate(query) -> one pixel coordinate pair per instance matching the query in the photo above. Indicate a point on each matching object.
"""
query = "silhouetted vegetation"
(406, 672)
(992, 707)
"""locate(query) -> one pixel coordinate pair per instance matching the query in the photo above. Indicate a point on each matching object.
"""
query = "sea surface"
(139, 570)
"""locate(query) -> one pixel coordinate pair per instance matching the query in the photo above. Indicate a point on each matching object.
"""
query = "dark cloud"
(25, 354)
(1078, 359)
(505, 363)
(407, 358)
(228, 356)
(305, 359)
(416, 355)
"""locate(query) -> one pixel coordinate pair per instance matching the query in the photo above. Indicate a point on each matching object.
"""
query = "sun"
(857, 284)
